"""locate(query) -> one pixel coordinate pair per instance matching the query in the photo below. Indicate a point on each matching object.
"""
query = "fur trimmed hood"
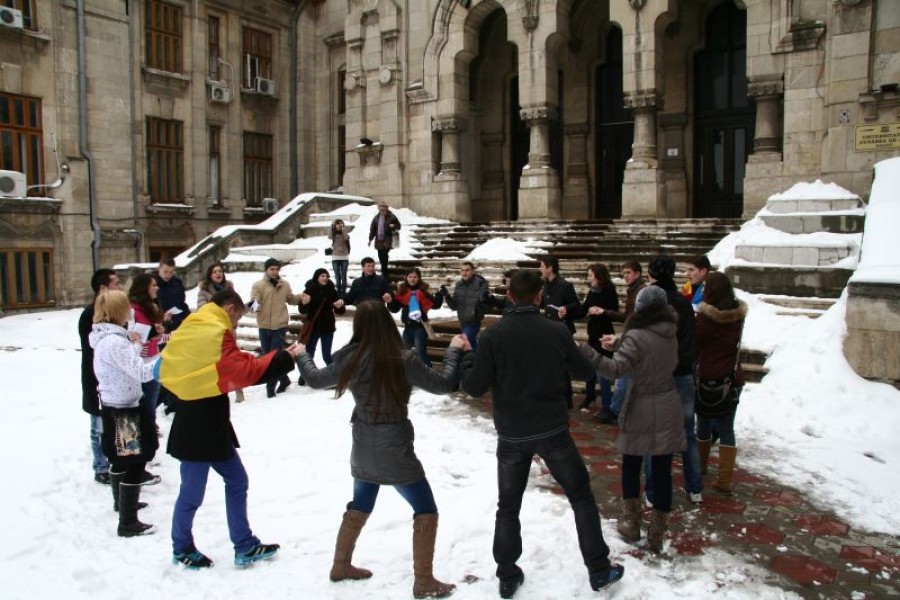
(732, 315)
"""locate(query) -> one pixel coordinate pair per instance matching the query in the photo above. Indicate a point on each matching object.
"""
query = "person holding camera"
(340, 255)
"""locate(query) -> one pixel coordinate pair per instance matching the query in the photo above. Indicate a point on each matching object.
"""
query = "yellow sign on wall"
(878, 137)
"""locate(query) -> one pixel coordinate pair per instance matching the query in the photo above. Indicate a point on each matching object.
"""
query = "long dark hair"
(379, 344)
(422, 284)
(602, 274)
(209, 271)
(718, 292)
(139, 293)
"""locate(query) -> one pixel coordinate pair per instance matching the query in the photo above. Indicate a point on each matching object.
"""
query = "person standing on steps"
(269, 299)
(102, 280)
(129, 438)
(200, 365)
(382, 230)
(340, 255)
(381, 372)
(524, 361)
(720, 323)
(470, 299)
(650, 422)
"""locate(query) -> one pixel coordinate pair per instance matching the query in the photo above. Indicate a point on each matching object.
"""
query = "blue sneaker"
(603, 579)
(192, 559)
(257, 552)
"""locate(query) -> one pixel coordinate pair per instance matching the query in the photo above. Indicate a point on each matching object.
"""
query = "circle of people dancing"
(670, 381)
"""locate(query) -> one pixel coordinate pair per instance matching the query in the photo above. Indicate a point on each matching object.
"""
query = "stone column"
(450, 192)
(767, 95)
(578, 192)
(539, 193)
(449, 129)
(765, 165)
(643, 190)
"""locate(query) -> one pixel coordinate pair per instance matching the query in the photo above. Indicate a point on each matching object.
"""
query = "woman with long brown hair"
(380, 372)
(214, 282)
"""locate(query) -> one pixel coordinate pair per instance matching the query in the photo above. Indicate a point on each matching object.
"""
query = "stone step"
(833, 222)
(821, 282)
(823, 254)
(812, 205)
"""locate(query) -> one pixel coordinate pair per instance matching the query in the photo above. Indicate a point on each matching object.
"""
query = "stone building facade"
(171, 118)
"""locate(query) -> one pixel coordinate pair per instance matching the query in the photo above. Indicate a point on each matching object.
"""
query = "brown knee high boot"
(629, 526)
(351, 526)
(424, 535)
(656, 532)
(727, 457)
(703, 448)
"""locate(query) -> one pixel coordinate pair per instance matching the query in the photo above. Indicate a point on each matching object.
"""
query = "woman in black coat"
(317, 303)
(601, 297)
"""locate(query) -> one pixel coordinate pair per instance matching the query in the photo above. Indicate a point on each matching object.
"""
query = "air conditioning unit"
(12, 184)
(265, 86)
(11, 17)
(270, 205)
(219, 93)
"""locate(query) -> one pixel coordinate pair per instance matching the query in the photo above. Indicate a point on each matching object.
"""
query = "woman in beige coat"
(651, 422)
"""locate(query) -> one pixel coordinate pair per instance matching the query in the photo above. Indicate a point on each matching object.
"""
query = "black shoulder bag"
(715, 398)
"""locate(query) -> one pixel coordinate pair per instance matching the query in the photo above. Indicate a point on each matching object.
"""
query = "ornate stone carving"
(450, 124)
(642, 99)
(532, 114)
(758, 89)
(530, 14)
(334, 40)
(637, 4)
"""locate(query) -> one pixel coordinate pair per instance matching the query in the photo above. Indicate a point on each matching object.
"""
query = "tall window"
(215, 177)
(257, 167)
(165, 161)
(29, 11)
(26, 277)
(21, 136)
(341, 126)
(212, 35)
(257, 56)
(164, 36)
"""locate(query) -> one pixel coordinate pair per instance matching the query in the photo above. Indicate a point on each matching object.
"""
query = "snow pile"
(505, 249)
(879, 261)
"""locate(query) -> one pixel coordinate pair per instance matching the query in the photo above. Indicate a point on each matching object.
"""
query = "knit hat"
(272, 262)
(650, 296)
(662, 268)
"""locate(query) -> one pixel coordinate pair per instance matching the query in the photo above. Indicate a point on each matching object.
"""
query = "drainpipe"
(83, 135)
(139, 244)
(292, 108)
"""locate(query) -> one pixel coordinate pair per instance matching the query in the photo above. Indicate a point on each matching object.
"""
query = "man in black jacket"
(559, 303)
(524, 360)
(470, 298)
(171, 293)
(368, 286)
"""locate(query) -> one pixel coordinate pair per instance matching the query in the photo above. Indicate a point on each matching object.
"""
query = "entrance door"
(520, 141)
(724, 118)
(614, 133)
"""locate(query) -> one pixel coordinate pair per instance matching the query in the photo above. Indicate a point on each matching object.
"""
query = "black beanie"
(272, 262)
(662, 268)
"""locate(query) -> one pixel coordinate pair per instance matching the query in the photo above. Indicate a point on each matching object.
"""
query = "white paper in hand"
(140, 329)
(174, 311)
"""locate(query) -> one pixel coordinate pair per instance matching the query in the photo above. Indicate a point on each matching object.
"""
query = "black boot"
(115, 480)
(129, 526)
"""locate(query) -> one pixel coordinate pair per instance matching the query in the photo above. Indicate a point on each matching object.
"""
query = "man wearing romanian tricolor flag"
(200, 365)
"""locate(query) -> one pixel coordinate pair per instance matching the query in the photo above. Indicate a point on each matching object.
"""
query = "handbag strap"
(737, 350)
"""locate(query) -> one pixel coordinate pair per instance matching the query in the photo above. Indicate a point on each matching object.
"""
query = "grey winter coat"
(651, 420)
(383, 449)
(469, 299)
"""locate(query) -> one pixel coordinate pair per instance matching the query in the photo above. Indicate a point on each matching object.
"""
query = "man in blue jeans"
(269, 299)
(524, 361)
(470, 298)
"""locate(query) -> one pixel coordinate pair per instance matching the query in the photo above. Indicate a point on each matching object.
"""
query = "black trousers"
(383, 259)
(514, 459)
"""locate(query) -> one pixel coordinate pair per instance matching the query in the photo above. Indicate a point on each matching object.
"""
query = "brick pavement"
(808, 549)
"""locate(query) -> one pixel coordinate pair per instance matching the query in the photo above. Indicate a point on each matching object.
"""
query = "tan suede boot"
(703, 448)
(424, 535)
(351, 526)
(629, 526)
(656, 531)
(727, 457)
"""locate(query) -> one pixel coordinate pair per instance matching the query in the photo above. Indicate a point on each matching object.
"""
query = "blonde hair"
(112, 307)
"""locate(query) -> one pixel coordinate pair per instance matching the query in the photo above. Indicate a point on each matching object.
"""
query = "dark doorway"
(724, 117)
(614, 134)
(518, 148)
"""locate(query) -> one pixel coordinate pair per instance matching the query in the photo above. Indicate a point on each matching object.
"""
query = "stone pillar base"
(642, 192)
(539, 194)
(449, 198)
(764, 177)
(872, 345)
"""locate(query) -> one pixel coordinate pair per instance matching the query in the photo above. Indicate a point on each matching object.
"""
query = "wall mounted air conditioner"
(270, 205)
(12, 184)
(219, 93)
(11, 17)
(265, 86)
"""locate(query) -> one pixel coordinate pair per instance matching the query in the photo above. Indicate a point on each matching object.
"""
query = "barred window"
(26, 277)
(164, 31)
(215, 177)
(21, 137)
(257, 50)
(165, 161)
(257, 167)
(212, 34)
(29, 11)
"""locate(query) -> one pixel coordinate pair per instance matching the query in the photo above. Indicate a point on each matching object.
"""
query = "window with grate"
(165, 161)
(215, 177)
(21, 137)
(257, 51)
(257, 167)
(164, 32)
(212, 35)
(26, 277)
(29, 11)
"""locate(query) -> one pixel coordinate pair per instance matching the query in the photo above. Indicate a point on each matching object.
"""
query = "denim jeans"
(273, 339)
(194, 476)
(471, 331)
(418, 494)
(590, 391)
(690, 458)
(101, 465)
(661, 475)
(618, 397)
(340, 275)
(514, 460)
(416, 337)
(724, 426)
(327, 339)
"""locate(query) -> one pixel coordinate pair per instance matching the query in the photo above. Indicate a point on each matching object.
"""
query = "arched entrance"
(723, 116)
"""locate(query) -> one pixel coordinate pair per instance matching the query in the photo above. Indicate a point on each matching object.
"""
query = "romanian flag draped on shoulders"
(203, 360)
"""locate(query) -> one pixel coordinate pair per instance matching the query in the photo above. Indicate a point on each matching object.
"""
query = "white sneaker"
(695, 497)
